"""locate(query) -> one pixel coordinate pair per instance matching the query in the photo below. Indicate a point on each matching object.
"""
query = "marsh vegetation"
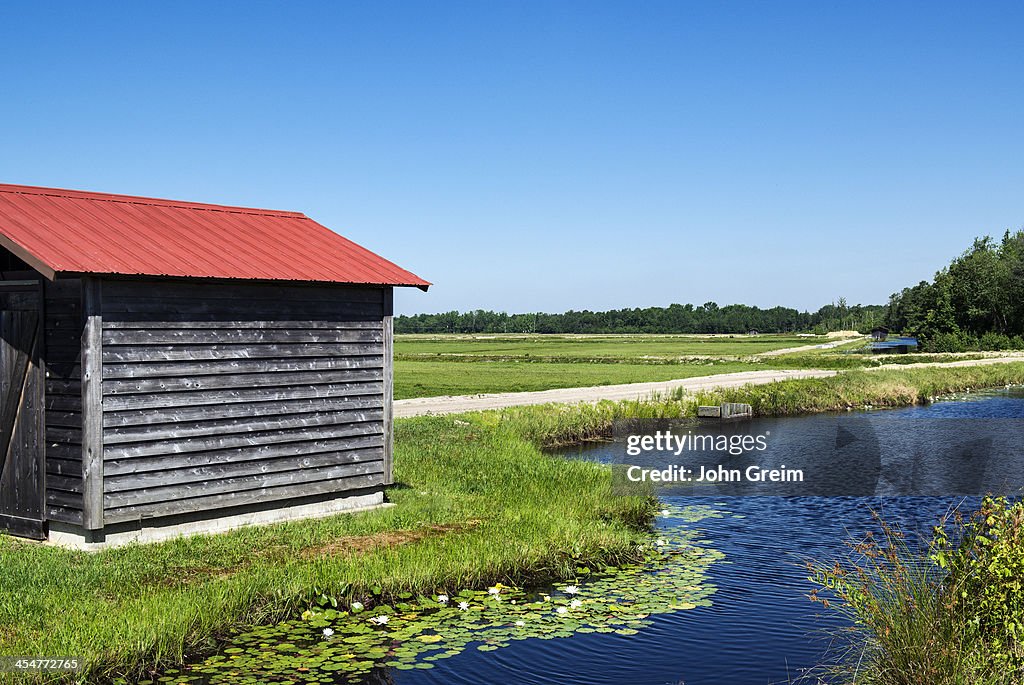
(478, 503)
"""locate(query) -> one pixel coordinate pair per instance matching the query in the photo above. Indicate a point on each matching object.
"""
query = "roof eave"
(51, 275)
(24, 255)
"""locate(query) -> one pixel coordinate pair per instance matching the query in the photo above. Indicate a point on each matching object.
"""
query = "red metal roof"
(69, 231)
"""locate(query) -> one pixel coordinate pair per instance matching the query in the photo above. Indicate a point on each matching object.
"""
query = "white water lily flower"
(562, 610)
(443, 599)
(380, 620)
(464, 605)
(660, 542)
(571, 590)
(328, 632)
(546, 598)
(575, 603)
(520, 623)
(665, 512)
(494, 591)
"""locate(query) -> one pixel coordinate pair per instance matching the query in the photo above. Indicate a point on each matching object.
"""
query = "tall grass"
(949, 611)
(476, 503)
(858, 389)
(552, 425)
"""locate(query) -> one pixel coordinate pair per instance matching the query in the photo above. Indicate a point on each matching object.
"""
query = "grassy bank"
(855, 389)
(477, 503)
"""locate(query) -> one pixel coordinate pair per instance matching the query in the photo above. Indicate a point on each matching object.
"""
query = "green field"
(596, 346)
(431, 365)
(433, 378)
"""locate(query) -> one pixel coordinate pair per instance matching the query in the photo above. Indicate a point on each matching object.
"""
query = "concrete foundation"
(157, 530)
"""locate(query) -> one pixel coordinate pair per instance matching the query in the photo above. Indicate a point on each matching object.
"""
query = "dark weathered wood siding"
(63, 351)
(22, 463)
(223, 395)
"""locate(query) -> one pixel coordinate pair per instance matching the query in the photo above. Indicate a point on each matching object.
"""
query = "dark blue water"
(761, 628)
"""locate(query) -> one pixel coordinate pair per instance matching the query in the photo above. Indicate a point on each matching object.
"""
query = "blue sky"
(551, 155)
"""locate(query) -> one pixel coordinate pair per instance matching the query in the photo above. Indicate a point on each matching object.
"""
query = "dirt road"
(629, 391)
(463, 403)
(832, 344)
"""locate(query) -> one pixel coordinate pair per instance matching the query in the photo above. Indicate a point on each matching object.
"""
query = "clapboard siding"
(251, 427)
(262, 324)
(242, 336)
(155, 400)
(319, 486)
(219, 395)
(129, 309)
(133, 495)
(62, 325)
(305, 462)
(113, 419)
(173, 448)
(228, 366)
(129, 354)
(274, 379)
(258, 453)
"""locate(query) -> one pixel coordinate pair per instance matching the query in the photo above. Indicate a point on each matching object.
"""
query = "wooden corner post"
(92, 404)
(389, 378)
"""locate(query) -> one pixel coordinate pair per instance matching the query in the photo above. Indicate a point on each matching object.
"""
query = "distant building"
(753, 331)
(898, 345)
(879, 333)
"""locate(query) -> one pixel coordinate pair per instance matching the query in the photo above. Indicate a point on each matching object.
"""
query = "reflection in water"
(758, 628)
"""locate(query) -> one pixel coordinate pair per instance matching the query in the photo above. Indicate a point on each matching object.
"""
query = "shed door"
(22, 466)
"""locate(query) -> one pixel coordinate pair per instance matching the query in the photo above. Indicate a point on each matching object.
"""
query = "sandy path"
(1017, 357)
(809, 348)
(631, 391)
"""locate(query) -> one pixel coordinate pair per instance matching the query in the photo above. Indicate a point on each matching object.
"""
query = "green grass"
(432, 365)
(943, 613)
(595, 346)
(477, 503)
(865, 388)
(429, 366)
(433, 378)
(821, 359)
(552, 425)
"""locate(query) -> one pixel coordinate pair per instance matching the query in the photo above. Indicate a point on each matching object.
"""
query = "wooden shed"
(173, 367)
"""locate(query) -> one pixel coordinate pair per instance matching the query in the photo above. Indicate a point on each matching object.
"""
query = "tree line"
(977, 302)
(676, 318)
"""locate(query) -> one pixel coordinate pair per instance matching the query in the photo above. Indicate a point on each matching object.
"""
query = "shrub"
(985, 578)
(950, 342)
(947, 613)
(995, 341)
